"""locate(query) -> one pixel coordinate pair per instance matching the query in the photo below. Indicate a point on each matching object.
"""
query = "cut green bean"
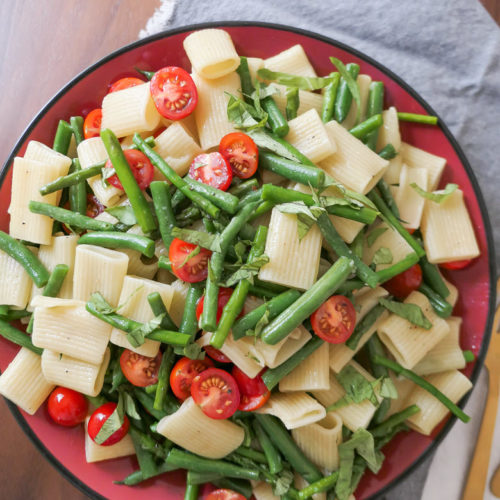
(76, 123)
(78, 192)
(116, 239)
(146, 74)
(247, 87)
(241, 486)
(262, 292)
(433, 278)
(263, 208)
(193, 477)
(324, 484)
(397, 268)
(275, 118)
(468, 356)
(292, 102)
(357, 245)
(148, 403)
(151, 389)
(329, 97)
(363, 326)
(145, 458)
(442, 308)
(249, 198)
(375, 106)
(28, 260)
(17, 337)
(388, 152)
(163, 207)
(385, 193)
(189, 323)
(244, 187)
(255, 455)
(137, 477)
(62, 138)
(158, 308)
(225, 201)
(56, 280)
(363, 129)
(191, 491)
(416, 118)
(344, 97)
(393, 421)
(272, 455)
(167, 361)
(71, 179)
(301, 158)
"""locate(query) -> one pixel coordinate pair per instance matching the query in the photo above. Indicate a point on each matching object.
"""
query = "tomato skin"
(253, 391)
(403, 284)
(224, 494)
(456, 264)
(334, 320)
(183, 373)
(67, 407)
(216, 392)
(196, 268)
(139, 370)
(216, 355)
(174, 92)
(94, 206)
(92, 124)
(125, 83)
(97, 420)
(140, 165)
(241, 153)
(211, 169)
(222, 300)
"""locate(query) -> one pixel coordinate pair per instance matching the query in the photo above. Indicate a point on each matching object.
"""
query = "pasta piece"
(99, 269)
(97, 453)
(452, 384)
(254, 64)
(191, 429)
(389, 133)
(348, 229)
(211, 53)
(354, 164)
(294, 409)
(211, 111)
(410, 343)
(23, 382)
(307, 100)
(180, 291)
(74, 373)
(447, 230)
(15, 283)
(292, 262)
(67, 327)
(391, 175)
(130, 110)
(446, 355)
(312, 374)
(90, 152)
(319, 441)
(409, 202)
(415, 157)
(403, 387)
(363, 82)
(263, 491)
(293, 60)
(134, 297)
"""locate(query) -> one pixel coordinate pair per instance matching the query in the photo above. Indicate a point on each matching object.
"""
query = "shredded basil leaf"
(247, 271)
(101, 304)
(130, 408)
(137, 336)
(410, 312)
(289, 80)
(283, 482)
(205, 240)
(436, 196)
(124, 213)
(265, 141)
(194, 253)
(306, 216)
(383, 256)
(112, 424)
(388, 389)
(244, 115)
(292, 103)
(351, 83)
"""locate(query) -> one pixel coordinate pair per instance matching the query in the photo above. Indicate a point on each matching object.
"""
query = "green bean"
(78, 192)
(468, 356)
(225, 201)
(324, 484)
(163, 207)
(433, 278)
(262, 292)
(249, 198)
(167, 361)
(28, 260)
(344, 97)
(209, 225)
(357, 245)
(151, 389)
(275, 287)
(241, 486)
(385, 192)
(237, 300)
(363, 326)
(193, 477)
(71, 179)
(15, 314)
(158, 308)
(140, 205)
(329, 97)
(301, 158)
(364, 272)
(247, 87)
(275, 118)
(292, 170)
(416, 118)
(421, 382)
(263, 208)
(144, 456)
(185, 460)
(286, 445)
(147, 74)
(255, 455)
(4, 310)
(393, 421)
(148, 403)
(137, 477)
(442, 308)
(178, 198)
(198, 199)
(393, 221)
(388, 152)
(363, 129)
(116, 239)
(375, 106)
(76, 123)
(62, 138)
(191, 491)
(272, 376)
(189, 322)
(17, 337)
(274, 307)
(292, 102)
(272, 455)
(244, 188)
(397, 268)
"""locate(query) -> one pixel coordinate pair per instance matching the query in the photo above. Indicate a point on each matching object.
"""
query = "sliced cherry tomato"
(140, 165)
(174, 92)
(211, 169)
(139, 370)
(403, 284)
(193, 269)
(183, 373)
(222, 300)
(92, 124)
(216, 355)
(334, 320)
(254, 392)
(241, 153)
(216, 392)
(224, 494)
(125, 83)
(67, 407)
(94, 206)
(456, 264)
(97, 420)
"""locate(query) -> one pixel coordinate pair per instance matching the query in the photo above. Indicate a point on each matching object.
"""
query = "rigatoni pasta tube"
(389, 132)
(416, 157)
(363, 82)
(293, 60)
(409, 202)
(15, 283)
(307, 100)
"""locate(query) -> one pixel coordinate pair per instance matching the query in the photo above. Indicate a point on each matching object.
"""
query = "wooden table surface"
(45, 43)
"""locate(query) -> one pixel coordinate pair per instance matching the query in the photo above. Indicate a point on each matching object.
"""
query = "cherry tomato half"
(211, 169)
(222, 300)
(241, 153)
(125, 83)
(216, 355)
(94, 206)
(139, 370)
(195, 268)
(140, 165)
(67, 407)
(403, 284)
(456, 264)
(183, 373)
(97, 420)
(224, 494)
(174, 92)
(216, 392)
(254, 392)
(92, 124)
(334, 320)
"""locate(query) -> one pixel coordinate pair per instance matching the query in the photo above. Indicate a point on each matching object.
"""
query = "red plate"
(476, 283)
